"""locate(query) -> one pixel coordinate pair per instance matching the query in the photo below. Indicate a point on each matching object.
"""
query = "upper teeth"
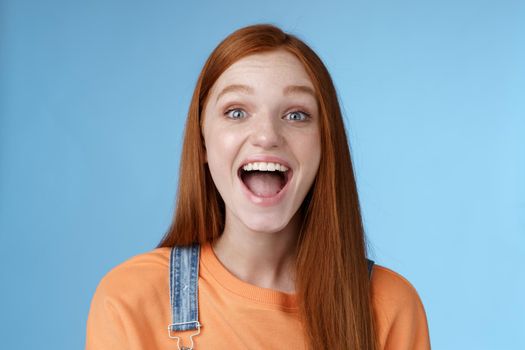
(264, 166)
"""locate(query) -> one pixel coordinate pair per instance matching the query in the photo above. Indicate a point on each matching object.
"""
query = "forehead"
(276, 68)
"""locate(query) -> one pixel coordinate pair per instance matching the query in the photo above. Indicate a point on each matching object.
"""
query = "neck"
(260, 258)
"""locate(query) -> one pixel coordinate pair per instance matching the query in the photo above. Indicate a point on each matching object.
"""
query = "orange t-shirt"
(131, 309)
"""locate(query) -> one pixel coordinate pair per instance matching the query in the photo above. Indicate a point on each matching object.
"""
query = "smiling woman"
(267, 248)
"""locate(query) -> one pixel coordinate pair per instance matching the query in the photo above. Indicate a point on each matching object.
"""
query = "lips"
(264, 180)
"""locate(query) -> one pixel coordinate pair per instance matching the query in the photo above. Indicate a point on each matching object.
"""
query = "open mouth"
(264, 179)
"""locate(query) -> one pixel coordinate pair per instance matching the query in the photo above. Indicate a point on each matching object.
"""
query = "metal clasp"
(170, 334)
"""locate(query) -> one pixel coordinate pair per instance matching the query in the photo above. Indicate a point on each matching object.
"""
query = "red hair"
(331, 256)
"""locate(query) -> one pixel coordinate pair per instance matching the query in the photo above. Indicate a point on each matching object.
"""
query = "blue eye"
(297, 116)
(235, 113)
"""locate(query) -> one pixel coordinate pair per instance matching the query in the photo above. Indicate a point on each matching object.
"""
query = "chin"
(267, 225)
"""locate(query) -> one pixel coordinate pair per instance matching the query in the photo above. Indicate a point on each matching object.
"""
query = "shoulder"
(399, 311)
(391, 287)
(130, 295)
(135, 277)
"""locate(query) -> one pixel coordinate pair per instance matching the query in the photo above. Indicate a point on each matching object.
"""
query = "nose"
(266, 132)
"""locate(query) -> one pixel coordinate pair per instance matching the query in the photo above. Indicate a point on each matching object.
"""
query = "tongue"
(263, 184)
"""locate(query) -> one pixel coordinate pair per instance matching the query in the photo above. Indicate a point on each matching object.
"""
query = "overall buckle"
(197, 326)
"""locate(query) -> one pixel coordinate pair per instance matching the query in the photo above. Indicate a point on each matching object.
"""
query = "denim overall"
(184, 298)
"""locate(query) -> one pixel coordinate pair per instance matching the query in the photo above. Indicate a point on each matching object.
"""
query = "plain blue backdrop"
(93, 102)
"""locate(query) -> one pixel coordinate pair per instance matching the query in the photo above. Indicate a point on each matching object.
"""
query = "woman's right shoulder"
(131, 293)
(138, 275)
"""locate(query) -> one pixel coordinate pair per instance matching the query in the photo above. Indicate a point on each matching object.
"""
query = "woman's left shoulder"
(390, 286)
(400, 313)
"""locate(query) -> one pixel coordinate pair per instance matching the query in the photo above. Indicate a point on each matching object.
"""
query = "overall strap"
(184, 277)
(370, 266)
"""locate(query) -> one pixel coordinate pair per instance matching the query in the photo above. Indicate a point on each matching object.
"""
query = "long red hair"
(332, 281)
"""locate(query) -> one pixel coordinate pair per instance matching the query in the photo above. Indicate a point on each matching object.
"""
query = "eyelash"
(306, 115)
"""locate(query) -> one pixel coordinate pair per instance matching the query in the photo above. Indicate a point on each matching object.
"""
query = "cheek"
(221, 148)
(308, 149)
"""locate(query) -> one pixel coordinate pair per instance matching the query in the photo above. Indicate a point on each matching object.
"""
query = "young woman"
(266, 249)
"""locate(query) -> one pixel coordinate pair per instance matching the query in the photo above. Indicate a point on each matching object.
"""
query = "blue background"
(93, 102)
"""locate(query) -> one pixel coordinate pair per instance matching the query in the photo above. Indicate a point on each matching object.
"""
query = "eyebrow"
(235, 88)
(290, 89)
(299, 89)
